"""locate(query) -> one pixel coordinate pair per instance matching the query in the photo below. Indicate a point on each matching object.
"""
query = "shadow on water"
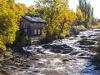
(91, 68)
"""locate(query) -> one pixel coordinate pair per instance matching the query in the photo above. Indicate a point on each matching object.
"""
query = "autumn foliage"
(58, 16)
(10, 14)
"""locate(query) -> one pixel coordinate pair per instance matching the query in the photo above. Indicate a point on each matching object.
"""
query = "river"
(76, 62)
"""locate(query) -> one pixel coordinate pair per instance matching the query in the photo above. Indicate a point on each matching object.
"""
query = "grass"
(80, 27)
(97, 26)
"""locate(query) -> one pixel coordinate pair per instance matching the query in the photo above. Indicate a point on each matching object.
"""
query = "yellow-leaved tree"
(10, 14)
(58, 16)
(80, 16)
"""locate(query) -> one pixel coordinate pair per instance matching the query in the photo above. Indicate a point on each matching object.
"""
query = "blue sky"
(72, 4)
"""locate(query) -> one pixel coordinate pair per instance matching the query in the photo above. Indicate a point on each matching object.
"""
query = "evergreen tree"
(87, 11)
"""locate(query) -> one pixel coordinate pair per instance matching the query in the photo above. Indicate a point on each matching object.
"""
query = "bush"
(79, 28)
(76, 29)
(22, 39)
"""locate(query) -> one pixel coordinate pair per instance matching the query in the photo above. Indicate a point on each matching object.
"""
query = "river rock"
(52, 72)
(58, 48)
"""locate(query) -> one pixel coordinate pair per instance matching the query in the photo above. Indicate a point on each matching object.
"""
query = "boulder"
(58, 48)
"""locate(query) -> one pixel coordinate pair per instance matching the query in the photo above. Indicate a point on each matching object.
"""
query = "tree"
(32, 11)
(80, 16)
(87, 11)
(10, 15)
(58, 16)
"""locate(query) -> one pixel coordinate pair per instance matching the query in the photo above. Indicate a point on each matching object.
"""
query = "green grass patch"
(79, 28)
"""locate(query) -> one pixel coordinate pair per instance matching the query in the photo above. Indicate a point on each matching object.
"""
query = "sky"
(72, 4)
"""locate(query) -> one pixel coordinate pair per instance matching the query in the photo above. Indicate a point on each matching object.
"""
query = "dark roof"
(35, 19)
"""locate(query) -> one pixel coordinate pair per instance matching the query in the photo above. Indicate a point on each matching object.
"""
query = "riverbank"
(60, 57)
(50, 64)
(9, 66)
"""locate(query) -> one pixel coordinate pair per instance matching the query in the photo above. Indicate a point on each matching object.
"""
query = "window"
(39, 31)
(25, 28)
(35, 31)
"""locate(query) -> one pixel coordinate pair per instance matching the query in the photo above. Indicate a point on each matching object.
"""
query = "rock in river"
(58, 48)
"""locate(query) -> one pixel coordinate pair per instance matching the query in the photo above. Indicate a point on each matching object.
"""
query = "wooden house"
(33, 27)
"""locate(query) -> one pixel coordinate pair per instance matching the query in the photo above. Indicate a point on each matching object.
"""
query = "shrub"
(22, 39)
(79, 28)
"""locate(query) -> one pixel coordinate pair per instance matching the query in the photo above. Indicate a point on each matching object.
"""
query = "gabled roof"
(35, 19)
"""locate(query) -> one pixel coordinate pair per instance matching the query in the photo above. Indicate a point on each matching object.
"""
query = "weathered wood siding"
(32, 28)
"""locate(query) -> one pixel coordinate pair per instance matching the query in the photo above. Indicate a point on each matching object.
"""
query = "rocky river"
(67, 56)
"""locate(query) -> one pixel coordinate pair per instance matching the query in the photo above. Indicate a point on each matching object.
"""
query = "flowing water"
(77, 62)
(57, 64)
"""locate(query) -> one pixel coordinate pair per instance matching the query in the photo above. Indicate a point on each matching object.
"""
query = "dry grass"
(95, 26)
